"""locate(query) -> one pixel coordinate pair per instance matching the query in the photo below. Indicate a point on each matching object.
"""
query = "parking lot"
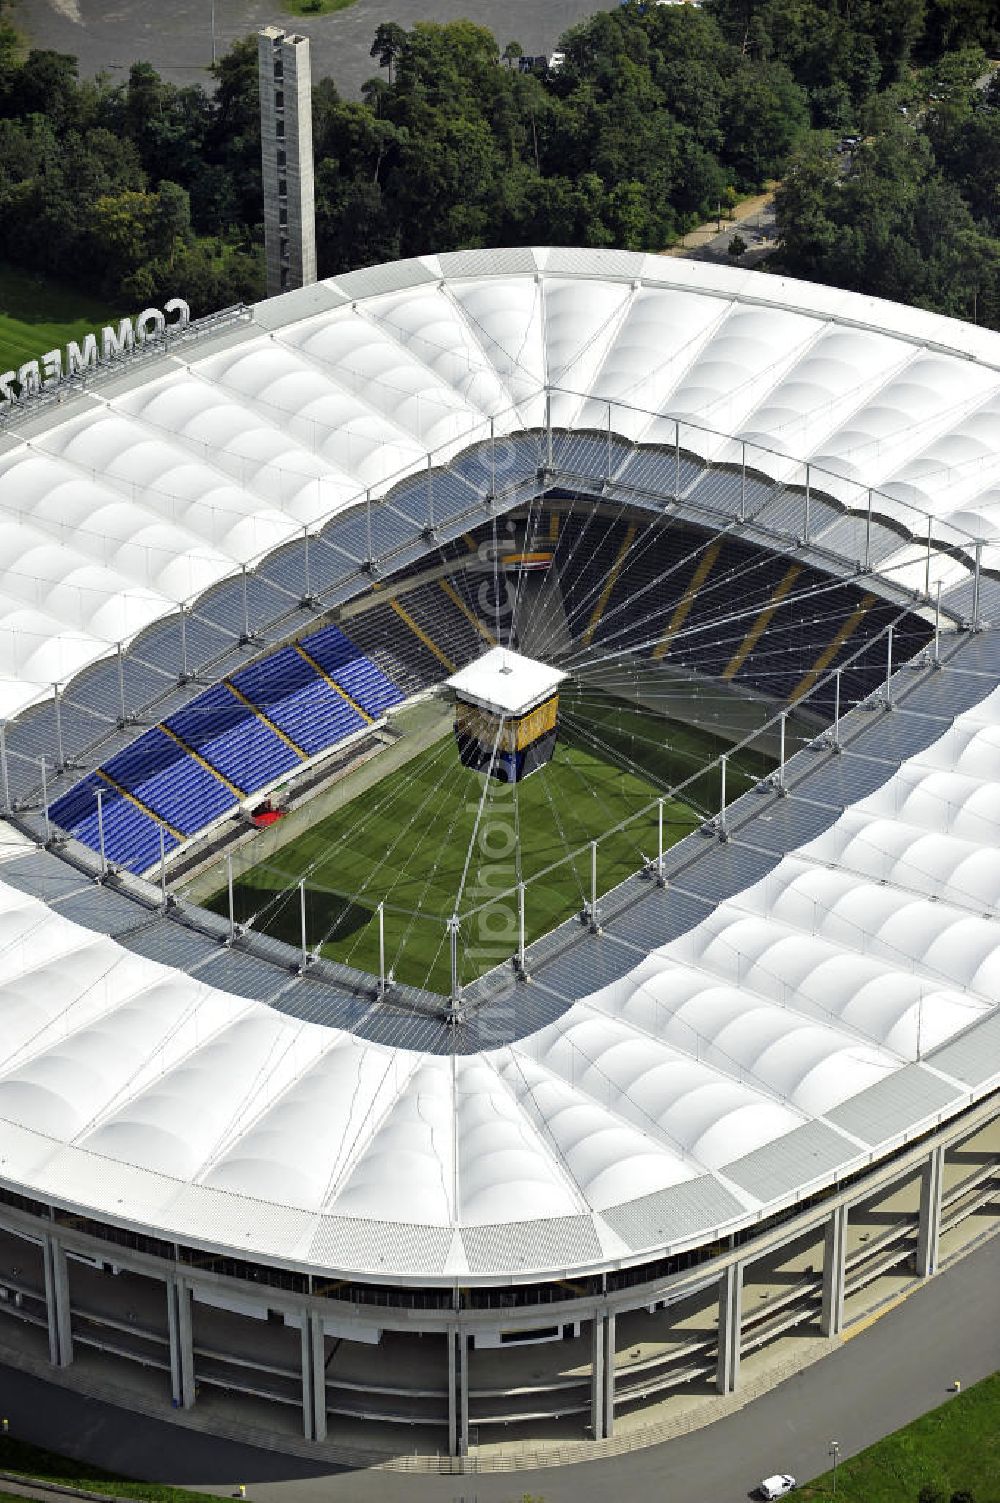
(177, 38)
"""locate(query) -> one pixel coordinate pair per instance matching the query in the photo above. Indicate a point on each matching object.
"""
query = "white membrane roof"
(142, 493)
(796, 1030)
(506, 682)
(722, 1075)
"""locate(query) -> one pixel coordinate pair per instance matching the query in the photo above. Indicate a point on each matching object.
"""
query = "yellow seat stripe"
(202, 762)
(609, 585)
(318, 668)
(826, 657)
(157, 818)
(419, 632)
(687, 600)
(456, 599)
(762, 622)
(265, 719)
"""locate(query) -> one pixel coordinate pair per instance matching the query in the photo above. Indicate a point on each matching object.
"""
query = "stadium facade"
(774, 1060)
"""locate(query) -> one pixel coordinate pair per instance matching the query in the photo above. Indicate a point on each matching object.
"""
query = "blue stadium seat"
(293, 695)
(170, 782)
(131, 838)
(367, 685)
(232, 738)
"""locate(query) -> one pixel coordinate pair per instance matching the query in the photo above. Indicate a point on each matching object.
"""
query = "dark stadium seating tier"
(246, 733)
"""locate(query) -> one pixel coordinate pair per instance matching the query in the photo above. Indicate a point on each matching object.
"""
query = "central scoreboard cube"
(506, 714)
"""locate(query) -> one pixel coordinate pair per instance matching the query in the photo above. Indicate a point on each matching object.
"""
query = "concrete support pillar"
(180, 1328)
(597, 1402)
(834, 1273)
(730, 1326)
(929, 1225)
(57, 1303)
(313, 1377)
(458, 1393)
(609, 1375)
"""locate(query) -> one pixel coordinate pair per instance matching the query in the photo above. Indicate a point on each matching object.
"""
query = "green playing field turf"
(426, 834)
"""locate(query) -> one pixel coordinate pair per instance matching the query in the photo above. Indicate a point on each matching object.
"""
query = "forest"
(659, 115)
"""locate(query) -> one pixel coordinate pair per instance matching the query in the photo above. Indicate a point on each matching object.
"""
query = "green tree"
(390, 40)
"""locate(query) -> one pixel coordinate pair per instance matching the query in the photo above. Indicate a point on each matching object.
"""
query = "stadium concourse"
(751, 1095)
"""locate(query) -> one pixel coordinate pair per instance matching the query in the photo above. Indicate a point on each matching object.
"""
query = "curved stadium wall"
(501, 1213)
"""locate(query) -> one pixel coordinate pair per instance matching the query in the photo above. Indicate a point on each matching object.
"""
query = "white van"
(777, 1486)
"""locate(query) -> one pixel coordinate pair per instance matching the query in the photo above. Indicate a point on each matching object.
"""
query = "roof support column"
(57, 1305)
(180, 1328)
(313, 1377)
(609, 1375)
(834, 1273)
(597, 1403)
(57, 707)
(122, 707)
(464, 1346)
(730, 1327)
(976, 623)
(458, 1392)
(929, 1225)
(185, 670)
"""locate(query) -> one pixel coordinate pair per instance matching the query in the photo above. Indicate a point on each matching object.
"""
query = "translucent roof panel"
(182, 473)
(229, 1123)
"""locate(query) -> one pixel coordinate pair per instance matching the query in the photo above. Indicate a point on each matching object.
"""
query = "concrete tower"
(287, 159)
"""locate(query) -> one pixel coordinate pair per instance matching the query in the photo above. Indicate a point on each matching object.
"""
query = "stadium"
(499, 884)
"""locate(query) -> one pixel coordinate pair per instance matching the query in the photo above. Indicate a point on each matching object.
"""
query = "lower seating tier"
(348, 666)
(229, 735)
(132, 838)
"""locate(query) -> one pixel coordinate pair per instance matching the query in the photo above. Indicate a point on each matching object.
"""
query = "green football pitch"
(433, 839)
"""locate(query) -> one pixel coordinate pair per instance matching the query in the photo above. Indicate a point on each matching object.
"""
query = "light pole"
(213, 31)
(835, 1453)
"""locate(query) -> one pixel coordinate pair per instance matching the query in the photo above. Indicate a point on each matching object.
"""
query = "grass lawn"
(37, 315)
(19, 1456)
(952, 1448)
(406, 843)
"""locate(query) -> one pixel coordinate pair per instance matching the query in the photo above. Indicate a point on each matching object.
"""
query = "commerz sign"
(83, 355)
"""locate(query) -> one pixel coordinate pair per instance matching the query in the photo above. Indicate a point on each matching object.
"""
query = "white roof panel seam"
(257, 1097)
(250, 485)
(958, 899)
(664, 1056)
(541, 1131)
(389, 415)
(151, 1080)
(823, 949)
(390, 333)
(492, 348)
(366, 1130)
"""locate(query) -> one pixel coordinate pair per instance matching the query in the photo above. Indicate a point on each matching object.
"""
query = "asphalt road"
(887, 1375)
(176, 37)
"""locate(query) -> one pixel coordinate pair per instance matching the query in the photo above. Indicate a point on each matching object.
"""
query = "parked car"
(777, 1486)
